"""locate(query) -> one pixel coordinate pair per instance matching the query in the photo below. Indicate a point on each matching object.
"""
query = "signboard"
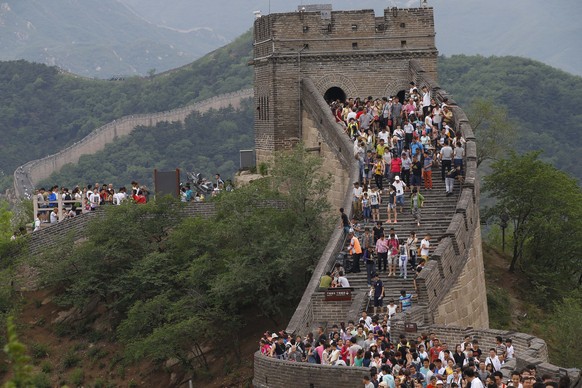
(167, 182)
(247, 159)
(337, 294)
(410, 327)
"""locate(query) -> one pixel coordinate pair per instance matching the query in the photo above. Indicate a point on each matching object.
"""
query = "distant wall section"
(26, 176)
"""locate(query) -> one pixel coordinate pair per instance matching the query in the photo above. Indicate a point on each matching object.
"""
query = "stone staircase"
(435, 218)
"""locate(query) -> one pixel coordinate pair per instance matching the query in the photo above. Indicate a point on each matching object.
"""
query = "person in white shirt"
(399, 186)
(392, 309)
(120, 196)
(357, 194)
(425, 101)
(384, 135)
(408, 133)
(466, 344)
(94, 200)
(367, 319)
(493, 360)
(509, 350)
(54, 216)
(335, 354)
(425, 247)
(474, 381)
(342, 281)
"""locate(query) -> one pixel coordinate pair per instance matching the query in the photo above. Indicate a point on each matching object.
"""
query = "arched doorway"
(333, 94)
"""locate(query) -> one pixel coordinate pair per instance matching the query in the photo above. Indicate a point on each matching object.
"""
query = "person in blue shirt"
(416, 147)
(425, 371)
(189, 193)
(405, 300)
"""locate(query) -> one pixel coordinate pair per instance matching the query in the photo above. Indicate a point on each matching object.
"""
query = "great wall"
(299, 58)
(27, 175)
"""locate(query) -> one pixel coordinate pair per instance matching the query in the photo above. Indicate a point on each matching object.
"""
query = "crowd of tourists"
(396, 145)
(383, 251)
(90, 197)
(420, 362)
(83, 199)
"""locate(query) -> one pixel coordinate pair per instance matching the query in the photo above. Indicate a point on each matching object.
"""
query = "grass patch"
(70, 360)
(97, 353)
(499, 307)
(46, 367)
(77, 377)
(41, 380)
(38, 350)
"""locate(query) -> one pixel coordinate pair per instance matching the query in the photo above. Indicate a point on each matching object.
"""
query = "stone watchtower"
(345, 53)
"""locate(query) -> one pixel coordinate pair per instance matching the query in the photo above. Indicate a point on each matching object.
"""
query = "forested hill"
(43, 111)
(543, 101)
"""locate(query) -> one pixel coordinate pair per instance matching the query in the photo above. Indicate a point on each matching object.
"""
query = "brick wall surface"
(74, 228)
(273, 373)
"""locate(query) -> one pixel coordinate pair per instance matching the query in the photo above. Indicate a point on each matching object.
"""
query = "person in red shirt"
(344, 351)
(395, 167)
(435, 350)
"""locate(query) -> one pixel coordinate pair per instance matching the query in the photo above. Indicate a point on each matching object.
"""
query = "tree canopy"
(544, 208)
(540, 100)
(166, 281)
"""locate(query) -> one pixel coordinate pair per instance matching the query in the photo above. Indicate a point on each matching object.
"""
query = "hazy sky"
(548, 31)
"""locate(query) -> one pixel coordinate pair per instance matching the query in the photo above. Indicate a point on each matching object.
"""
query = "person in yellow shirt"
(380, 148)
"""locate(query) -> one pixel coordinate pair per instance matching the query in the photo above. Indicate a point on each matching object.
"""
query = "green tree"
(494, 131)
(544, 206)
(565, 332)
(6, 228)
(16, 352)
(109, 265)
(249, 257)
(167, 282)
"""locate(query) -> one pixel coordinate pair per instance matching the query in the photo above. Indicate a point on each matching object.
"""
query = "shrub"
(46, 367)
(70, 360)
(77, 377)
(41, 380)
(38, 350)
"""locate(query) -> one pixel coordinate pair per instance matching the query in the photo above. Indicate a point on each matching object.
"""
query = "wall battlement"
(343, 52)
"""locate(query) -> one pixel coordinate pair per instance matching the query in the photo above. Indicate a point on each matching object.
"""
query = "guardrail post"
(34, 207)
(60, 206)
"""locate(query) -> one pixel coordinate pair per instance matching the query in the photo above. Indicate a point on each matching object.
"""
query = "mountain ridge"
(135, 37)
(96, 39)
